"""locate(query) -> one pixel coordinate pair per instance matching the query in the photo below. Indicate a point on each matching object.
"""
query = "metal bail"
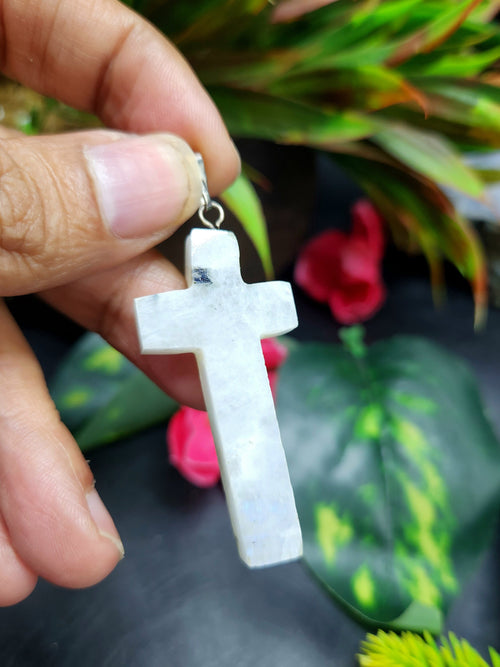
(206, 203)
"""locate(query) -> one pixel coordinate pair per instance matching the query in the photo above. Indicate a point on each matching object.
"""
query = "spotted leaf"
(396, 472)
(102, 397)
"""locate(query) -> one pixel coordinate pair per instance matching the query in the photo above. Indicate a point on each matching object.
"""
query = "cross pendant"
(222, 320)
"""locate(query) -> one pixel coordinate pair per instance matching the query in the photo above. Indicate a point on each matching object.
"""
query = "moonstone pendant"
(222, 320)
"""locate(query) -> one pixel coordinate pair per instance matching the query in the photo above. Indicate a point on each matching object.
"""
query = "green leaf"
(29, 122)
(396, 473)
(420, 215)
(266, 117)
(468, 65)
(373, 87)
(338, 75)
(206, 20)
(430, 155)
(475, 106)
(436, 31)
(103, 397)
(243, 201)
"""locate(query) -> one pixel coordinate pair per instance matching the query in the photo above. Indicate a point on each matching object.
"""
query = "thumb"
(74, 204)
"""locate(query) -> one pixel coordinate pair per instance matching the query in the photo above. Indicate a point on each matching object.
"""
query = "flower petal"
(191, 447)
(358, 302)
(367, 224)
(358, 264)
(317, 266)
(275, 353)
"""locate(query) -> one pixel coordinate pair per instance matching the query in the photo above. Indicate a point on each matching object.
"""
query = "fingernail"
(143, 184)
(103, 520)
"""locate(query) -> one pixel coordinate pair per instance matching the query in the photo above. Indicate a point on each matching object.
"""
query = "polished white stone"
(222, 319)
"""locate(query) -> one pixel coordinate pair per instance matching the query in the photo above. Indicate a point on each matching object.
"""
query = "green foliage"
(102, 397)
(242, 200)
(410, 650)
(400, 86)
(396, 473)
(420, 216)
(394, 89)
(29, 122)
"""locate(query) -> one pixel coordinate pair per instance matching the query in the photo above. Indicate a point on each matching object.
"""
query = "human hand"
(78, 216)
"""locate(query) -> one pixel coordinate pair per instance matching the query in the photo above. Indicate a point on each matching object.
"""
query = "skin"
(99, 56)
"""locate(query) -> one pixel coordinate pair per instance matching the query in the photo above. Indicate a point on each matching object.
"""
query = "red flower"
(189, 437)
(274, 355)
(343, 270)
(191, 447)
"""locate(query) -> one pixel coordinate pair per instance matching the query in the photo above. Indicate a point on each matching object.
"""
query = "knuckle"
(31, 210)
(21, 206)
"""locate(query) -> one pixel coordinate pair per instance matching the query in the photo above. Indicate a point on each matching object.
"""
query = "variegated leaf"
(396, 473)
(103, 397)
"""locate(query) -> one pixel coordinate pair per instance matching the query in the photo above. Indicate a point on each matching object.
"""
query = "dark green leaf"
(396, 473)
(102, 397)
(371, 87)
(265, 117)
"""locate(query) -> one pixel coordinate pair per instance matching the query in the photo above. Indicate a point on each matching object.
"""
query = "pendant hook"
(206, 203)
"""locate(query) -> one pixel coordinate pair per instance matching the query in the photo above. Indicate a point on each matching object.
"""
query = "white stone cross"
(222, 320)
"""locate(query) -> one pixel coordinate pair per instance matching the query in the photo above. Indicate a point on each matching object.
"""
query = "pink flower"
(274, 355)
(343, 270)
(190, 442)
(191, 447)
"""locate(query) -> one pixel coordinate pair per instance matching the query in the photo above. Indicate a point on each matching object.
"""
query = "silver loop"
(220, 215)
(205, 195)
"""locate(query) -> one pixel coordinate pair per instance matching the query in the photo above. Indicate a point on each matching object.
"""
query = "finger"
(99, 56)
(105, 303)
(16, 580)
(57, 524)
(9, 133)
(73, 204)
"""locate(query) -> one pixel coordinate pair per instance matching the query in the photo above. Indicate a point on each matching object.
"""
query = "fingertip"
(17, 581)
(87, 550)
(82, 574)
(65, 546)
(16, 586)
(103, 521)
(49, 526)
(223, 167)
(233, 168)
